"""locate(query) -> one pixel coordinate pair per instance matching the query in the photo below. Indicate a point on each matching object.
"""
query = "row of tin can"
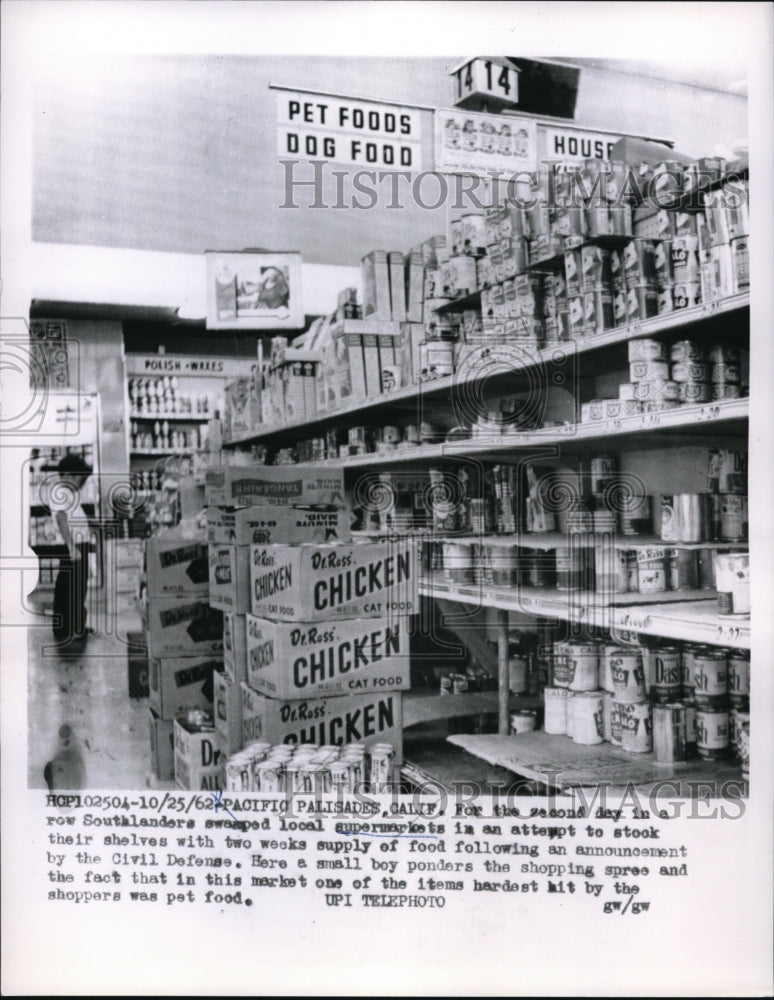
(673, 731)
(310, 769)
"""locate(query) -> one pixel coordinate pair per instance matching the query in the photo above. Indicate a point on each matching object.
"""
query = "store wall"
(179, 153)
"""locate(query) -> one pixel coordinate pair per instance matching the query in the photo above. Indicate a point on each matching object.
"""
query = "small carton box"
(262, 485)
(358, 718)
(183, 626)
(230, 578)
(270, 525)
(199, 758)
(227, 709)
(293, 661)
(326, 582)
(376, 285)
(235, 647)
(415, 278)
(162, 746)
(176, 566)
(349, 365)
(373, 375)
(180, 683)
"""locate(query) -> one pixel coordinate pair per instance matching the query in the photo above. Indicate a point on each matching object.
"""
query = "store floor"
(84, 730)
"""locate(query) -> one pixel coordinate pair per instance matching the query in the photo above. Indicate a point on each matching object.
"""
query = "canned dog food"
(686, 294)
(710, 678)
(651, 570)
(609, 651)
(688, 661)
(732, 575)
(628, 673)
(583, 659)
(667, 673)
(712, 733)
(669, 732)
(561, 668)
(685, 259)
(682, 569)
(587, 717)
(734, 517)
(555, 720)
(739, 680)
(637, 728)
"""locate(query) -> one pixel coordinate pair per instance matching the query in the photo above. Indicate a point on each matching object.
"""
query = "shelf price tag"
(710, 412)
(635, 329)
(614, 426)
(708, 308)
(728, 633)
(634, 620)
(650, 420)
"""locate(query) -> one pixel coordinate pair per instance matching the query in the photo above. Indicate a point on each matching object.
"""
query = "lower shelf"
(559, 763)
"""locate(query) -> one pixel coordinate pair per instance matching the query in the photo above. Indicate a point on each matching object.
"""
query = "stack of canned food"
(678, 701)
(310, 769)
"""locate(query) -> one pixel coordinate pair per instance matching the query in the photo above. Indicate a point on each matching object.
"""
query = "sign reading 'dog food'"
(254, 290)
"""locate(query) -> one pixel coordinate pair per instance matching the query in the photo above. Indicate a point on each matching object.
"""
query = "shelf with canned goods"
(703, 423)
(497, 364)
(691, 616)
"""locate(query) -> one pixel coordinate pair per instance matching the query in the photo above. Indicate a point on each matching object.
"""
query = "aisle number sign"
(486, 80)
(347, 130)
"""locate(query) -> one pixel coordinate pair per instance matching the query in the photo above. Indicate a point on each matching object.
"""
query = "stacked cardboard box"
(317, 627)
(185, 647)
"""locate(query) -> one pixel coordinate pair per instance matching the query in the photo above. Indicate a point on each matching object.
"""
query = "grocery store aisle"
(84, 730)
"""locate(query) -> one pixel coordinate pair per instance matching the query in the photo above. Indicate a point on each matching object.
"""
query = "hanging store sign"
(254, 291)
(176, 364)
(346, 130)
(468, 143)
(574, 145)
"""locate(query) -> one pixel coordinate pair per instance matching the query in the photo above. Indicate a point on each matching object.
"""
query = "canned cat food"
(637, 728)
(657, 391)
(587, 717)
(725, 373)
(690, 371)
(712, 733)
(687, 352)
(723, 354)
(628, 673)
(710, 678)
(669, 732)
(667, 674)
(648, 371)
(694, 392)
(555, 720)
(725, 390)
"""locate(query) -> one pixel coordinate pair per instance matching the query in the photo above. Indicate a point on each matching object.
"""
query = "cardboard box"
(227, 709)
(271, 525)
(162, 746)
(373, 372)
(376, 285)
(293, 661)
(183, 626)
(325, 582)
(182, 682)
(235, 647)
(349, 365)
(128, 553)
(199, 759)
(273, 485)
(176, 566)
(230, 578)
(415, 278)
(360, 718)
(397, 286)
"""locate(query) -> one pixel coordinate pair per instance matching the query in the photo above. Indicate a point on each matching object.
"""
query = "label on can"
(686, 351)
(690, 371)
(628, 673)
(669, 736)
(686, 294)
(636, 728)
(667, 674)
(712, 733)
(734, 517)
(710, 679)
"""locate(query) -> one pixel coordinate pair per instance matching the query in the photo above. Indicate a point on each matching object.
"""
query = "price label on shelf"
(728, 634)
(650, 420)
(634, 620)
(614, 426)
(635, 329)
(708, 308)
(710, 412)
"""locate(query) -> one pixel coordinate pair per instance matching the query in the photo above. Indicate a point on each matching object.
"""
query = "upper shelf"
(692, 321)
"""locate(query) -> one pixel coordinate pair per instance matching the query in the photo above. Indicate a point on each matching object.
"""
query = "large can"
(587, 715)
(691, 734)
(682, 569)
(636, 728)
(610, 570)
(686, 294)
(705, 559)
(687, 676)
(268, 776)
(725, 390)
(667, 674)
(609, 651)
(584, 666)
(710, 678)
(555, 719)
(685, 351)
(651, 570)
(739, 680)
(733, 517)
(732, 573)
(712, 733)
(693, 516)
(616, 714)
(669, 732)
(685, 259)
(694, 392)
(628, 672)
(380, 758)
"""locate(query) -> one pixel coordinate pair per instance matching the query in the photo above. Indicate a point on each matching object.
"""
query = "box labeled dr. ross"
(261, 485)
(227, 709)
(179, 683)
(230, 578)
(184, 626)
(235, 647)
(358, 718)
(304, 660)
(269, 525)
(199, 758)
(323, 582)
(176, 566)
